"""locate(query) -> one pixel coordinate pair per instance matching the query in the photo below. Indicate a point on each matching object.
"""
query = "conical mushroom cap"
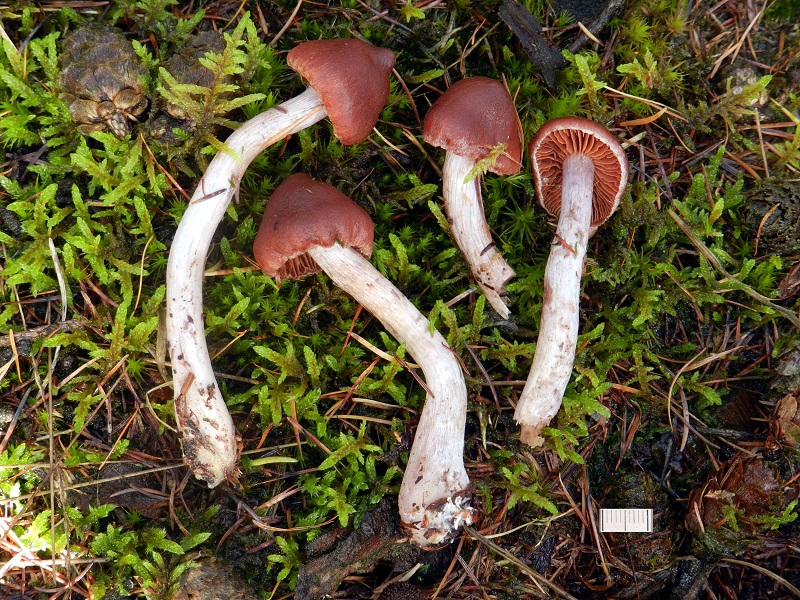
(474, 116)
(567, 136)
(351, 77)
(303, 213)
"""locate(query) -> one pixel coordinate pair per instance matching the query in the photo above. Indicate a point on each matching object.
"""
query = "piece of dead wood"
(379, 537)
(23, 340)
(529, 32)
(544, 56)
(612, 8)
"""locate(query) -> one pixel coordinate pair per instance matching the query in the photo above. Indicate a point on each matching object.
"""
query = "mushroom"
(349, 83)
(580, 172)
(471, 121)
(310, 226)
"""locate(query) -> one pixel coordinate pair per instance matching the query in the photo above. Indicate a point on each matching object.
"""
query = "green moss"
(652, 303)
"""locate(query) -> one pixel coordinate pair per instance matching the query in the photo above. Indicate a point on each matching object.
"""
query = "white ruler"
(626, 520)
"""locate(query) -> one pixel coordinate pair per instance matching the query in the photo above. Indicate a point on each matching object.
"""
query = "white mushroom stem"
(205, 425)
(464, 208)
(433, 500)
(558, 330)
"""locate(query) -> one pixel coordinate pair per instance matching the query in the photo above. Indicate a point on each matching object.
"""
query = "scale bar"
(626, 520)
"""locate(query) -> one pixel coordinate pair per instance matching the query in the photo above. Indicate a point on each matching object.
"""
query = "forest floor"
(685, 393)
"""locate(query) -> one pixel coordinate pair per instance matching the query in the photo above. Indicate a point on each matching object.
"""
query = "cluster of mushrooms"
(580, 173)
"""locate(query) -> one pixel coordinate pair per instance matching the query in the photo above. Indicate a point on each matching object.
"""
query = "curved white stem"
(464, 208)
(206, 428)
(558, 331)
(433, 500)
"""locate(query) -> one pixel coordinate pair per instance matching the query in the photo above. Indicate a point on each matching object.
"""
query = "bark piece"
(376, 539)
(529, 32)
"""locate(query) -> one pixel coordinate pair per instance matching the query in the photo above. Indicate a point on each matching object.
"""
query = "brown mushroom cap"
(351, 77)
(303, 213)
(567, 136)
(474, 116)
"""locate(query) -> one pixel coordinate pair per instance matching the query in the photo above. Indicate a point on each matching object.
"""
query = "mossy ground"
(689, 304)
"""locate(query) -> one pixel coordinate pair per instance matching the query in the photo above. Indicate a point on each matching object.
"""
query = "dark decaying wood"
(529, 32)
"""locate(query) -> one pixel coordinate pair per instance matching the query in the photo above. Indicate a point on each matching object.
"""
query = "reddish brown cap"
(566, 136)
(303, 213)
(474, 116)
(351, 77)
